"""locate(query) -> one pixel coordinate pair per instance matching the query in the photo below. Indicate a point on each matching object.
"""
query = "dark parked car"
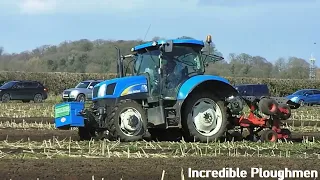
(25, 91)
(257, 90)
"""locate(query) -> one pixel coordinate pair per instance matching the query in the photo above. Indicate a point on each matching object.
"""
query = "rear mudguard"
(190, 84)
(68, 114)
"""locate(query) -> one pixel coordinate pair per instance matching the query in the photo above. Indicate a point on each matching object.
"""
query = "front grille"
(66, 94)
(95, 92)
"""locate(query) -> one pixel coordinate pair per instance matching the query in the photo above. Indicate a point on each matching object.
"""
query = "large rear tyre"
(127, 121)
(204, 118)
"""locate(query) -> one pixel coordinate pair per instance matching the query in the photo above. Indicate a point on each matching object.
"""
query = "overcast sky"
(269, 28)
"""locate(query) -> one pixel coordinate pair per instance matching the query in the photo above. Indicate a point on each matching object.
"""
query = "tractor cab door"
(147, 64)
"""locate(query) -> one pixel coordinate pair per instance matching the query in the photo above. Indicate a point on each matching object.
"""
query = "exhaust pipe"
(119, 63)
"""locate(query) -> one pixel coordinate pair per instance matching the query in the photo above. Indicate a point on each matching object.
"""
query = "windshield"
(147, 62)
(301, 92)
(83, 85)
(8, 85)
(182, 57)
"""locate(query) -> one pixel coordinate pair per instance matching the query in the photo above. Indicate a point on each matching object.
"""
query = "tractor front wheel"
(127, 121)
(204, 118)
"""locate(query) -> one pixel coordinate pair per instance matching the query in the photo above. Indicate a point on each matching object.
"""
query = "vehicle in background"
(25, 91)
(257, 90)
(81, 92)
(306, 97)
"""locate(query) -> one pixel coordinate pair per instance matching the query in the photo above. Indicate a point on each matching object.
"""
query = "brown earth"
(28, 120)
(138, 169)
(115, 168)
(36, 135)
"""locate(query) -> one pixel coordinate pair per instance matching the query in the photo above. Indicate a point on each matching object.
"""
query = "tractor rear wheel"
(204, 118)
(127, 121)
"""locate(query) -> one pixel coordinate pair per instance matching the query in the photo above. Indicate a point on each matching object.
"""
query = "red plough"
(265, 115)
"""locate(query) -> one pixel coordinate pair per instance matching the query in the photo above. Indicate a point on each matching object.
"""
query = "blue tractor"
(166, 91)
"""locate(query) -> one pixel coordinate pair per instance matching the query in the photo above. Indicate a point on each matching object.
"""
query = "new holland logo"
(63, 119)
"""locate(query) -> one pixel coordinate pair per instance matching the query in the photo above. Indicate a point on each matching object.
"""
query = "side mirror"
(90, 87)
(306, 95)
(169, 46)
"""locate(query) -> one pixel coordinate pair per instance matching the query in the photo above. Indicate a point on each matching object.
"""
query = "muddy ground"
(116, 168)
(28, 120)
(13, 135)
(136, 169)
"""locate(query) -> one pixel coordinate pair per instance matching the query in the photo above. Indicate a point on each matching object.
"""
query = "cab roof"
(175, 41)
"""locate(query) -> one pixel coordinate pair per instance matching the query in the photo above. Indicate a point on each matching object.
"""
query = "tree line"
(99, 56)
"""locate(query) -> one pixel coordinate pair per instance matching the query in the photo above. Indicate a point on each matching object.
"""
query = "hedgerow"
(56, 82)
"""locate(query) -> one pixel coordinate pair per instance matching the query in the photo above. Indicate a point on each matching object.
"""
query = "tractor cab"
(168, 64)
(176, 66)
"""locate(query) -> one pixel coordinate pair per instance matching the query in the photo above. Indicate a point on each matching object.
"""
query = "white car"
(81, 92)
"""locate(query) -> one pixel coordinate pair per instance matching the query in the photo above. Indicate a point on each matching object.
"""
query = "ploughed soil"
(28, 120)
(136, 169)
(12, 135)
(116, 168)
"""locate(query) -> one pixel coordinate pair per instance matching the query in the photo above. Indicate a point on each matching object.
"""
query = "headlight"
(73, 94)
(294, 99)
(102, 90)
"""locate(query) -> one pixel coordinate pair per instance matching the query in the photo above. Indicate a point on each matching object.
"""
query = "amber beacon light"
(209, 39)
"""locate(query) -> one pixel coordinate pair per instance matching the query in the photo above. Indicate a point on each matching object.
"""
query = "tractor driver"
(172, 73)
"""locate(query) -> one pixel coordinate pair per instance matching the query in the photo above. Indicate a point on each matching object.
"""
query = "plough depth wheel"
(284, 111)
(269, 136)
(268, 106)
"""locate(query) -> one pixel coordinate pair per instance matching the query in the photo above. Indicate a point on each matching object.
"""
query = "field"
(31, 148)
